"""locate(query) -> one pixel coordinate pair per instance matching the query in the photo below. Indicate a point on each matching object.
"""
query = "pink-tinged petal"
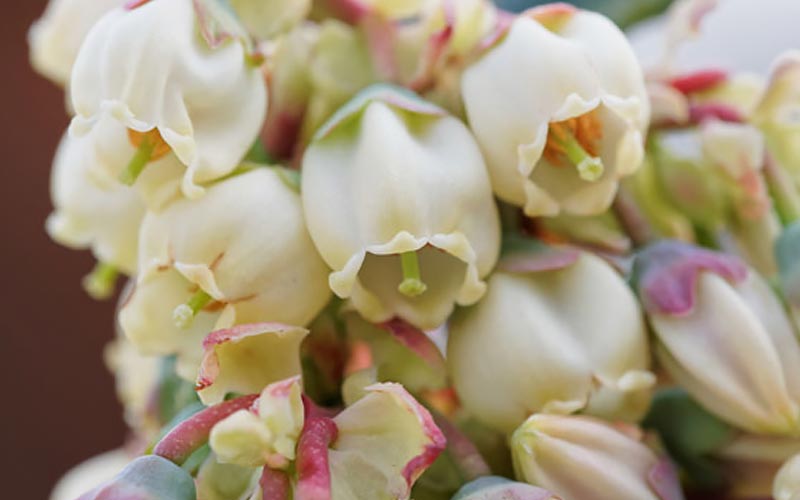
(665, 275)
(552, 16)
(663, 478)
(698, 81)
(246, 358)
(281, 131)
(415, 340)
(274, 485)
(381, 33)
(133, 4)
(434, 50)
(698, 113)
(527, 255)
(387, 436)
(313, 471)
(186, 437)
(219, 25)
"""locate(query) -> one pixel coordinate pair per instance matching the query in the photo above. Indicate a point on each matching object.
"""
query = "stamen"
(184, 314)
(150, 146)
(590, 168)
(575, 142)
(100, 282)
(143, 155)
(412, 285)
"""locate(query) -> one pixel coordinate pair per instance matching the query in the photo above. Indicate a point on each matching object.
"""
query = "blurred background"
(59, 405)
(61, 408)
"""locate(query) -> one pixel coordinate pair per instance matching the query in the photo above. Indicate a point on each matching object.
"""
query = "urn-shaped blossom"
(90, 213)
(723, 335)
(398, 203)
(56, 37)
(558, 331)
(173, 72)
(559, 108)
(89, 473)
(583, 458)
(241, 254)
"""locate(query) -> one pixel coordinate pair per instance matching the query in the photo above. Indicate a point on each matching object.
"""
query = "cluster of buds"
(382, 250)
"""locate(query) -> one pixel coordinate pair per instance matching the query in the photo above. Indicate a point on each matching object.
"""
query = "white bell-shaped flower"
(559, 108)
(56, 37)
(723, 335)
(173, 72)
(90, 214)
(398, 203)
(568, 336)
(241, 254)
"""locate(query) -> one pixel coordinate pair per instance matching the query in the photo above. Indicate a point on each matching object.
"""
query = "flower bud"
(89, 214)
(267, 436)
(428, 228)
(239, 255)
(56, 37)
(583, 458)
(723, 335)
(499, 488)
(558, 119)
(787, 481)
(145, 66)
(543, 340)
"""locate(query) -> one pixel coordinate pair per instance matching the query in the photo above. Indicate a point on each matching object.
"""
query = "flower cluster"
(382, 250)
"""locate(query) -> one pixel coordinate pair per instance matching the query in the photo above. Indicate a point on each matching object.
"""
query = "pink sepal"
(186, 437)
(698, 81)
(665, 275)
(313, 469)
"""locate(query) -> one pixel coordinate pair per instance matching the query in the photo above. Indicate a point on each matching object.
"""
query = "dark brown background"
(58, 405)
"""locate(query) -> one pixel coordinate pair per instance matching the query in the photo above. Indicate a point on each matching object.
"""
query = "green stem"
(99, 283)
(184, 314)
(142, 156)
(412, 285)
(590, 168)
(783, 191)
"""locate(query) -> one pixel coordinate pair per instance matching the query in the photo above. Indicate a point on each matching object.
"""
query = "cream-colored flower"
(555, 340)
(787, 481)
(56, 37)
(267, 435)
(89, 213)
(559, 108)
(239, 255)
(398, 203)
(583, 458)
(723, 335)
(136, 378)
(147, 67)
